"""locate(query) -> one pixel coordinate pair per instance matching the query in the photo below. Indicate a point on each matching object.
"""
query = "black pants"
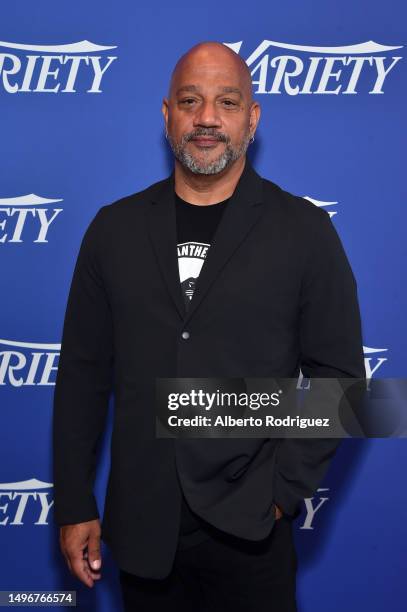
(222, 574)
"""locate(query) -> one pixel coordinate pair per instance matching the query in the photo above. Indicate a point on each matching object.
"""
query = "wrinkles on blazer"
(331, 346)
(276, 294)
(84, 383)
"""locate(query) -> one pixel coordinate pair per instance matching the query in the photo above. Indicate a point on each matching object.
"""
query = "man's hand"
(279, 513)
(80, 545)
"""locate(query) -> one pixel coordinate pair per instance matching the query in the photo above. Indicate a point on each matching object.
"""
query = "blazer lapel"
(163, 233)
(240, 215)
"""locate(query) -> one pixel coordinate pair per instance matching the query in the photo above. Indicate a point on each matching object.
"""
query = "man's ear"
(164, 110)
(255, 112)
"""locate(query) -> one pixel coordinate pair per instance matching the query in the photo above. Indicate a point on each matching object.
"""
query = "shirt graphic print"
(191, 256)
(196, 226)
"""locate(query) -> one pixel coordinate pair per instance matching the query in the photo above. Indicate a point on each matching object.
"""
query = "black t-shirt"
(196, 226)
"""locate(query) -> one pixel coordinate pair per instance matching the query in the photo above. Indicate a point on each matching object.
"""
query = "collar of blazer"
(236, 222)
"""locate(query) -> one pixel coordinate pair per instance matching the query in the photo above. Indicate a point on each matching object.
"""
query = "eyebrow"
(194, 88)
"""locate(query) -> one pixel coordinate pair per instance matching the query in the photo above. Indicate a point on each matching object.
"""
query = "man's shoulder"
(294, 210)
(291, 205)
(134, 201)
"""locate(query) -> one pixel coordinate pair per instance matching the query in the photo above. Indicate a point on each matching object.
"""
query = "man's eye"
(187, 101)
(229, 102)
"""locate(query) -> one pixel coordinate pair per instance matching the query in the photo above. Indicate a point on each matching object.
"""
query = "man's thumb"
(94, 554)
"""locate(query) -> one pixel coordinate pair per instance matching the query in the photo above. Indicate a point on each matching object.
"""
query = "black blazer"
(276, 294)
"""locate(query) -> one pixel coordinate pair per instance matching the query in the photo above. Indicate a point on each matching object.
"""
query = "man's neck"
(205, 189)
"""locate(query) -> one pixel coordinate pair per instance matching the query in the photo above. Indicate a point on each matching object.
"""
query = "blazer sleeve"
(331, 347)
(83, 384)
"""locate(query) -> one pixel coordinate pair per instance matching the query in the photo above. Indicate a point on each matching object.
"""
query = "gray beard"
(229, 155)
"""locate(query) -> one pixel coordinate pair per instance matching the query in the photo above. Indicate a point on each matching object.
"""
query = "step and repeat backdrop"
(81, 87)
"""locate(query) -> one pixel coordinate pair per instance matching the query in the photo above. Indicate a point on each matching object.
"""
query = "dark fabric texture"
(195, 223)
(223, 573)
(276, 293)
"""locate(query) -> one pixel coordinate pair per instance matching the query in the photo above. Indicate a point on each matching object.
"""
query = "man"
(212, 272)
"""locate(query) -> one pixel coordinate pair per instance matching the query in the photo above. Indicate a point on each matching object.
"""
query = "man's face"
(209, 115)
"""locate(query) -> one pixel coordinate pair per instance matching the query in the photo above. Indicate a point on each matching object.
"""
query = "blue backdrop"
(81, 86)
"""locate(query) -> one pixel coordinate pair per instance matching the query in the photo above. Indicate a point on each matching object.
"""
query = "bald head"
(210, 115)
(213, 55)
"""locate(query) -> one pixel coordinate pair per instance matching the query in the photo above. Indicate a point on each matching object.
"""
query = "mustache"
(206, 132)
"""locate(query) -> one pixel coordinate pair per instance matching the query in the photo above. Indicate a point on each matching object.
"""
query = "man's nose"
(207, 115)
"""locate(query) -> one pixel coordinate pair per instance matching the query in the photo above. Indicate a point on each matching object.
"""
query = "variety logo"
(27, 363)
(304, 69)
(27, 496)
(311, 509)
(53, 68)
(322, 204)
(28, 212)
(373, 360)
(372, 364)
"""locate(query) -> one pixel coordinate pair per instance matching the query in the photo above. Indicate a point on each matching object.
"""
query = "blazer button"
(185, 335)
